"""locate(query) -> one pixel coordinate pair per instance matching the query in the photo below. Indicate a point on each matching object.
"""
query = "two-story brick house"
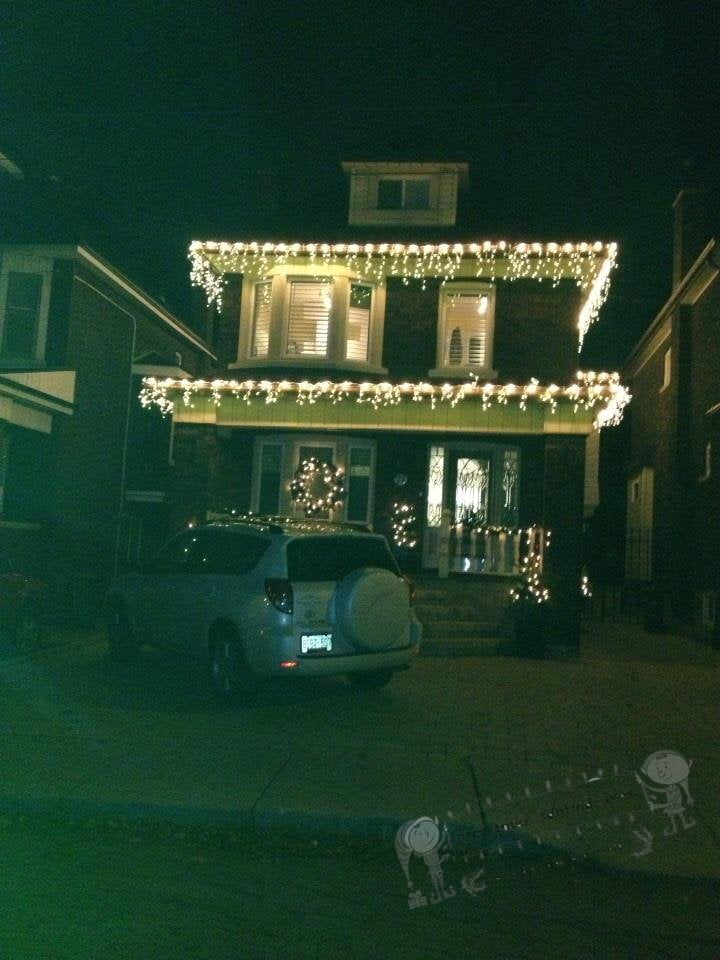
(84, 470)
(428, 368)
(673, 490)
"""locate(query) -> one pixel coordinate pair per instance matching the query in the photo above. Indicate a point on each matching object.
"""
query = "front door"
(472, 487)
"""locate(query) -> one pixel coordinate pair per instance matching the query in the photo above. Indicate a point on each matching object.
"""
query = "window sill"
(306, 363)
(463, 373)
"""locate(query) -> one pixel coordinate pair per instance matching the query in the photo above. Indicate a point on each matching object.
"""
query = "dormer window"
(403, 194)
(413, 194)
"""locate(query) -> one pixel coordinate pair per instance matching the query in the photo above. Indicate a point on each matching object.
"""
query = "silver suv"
(271, 596)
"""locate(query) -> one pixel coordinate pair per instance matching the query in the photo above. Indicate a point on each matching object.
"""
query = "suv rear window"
(226, 551)
(332, 558)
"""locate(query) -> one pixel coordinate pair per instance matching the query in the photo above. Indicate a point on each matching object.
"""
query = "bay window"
(310, 320)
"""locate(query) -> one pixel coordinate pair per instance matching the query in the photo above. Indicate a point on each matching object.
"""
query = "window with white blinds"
(261, 319)
(309, 318)
(358, 322)
(466, 318)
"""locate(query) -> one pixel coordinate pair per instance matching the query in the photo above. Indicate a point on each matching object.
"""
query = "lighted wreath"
(317, 486)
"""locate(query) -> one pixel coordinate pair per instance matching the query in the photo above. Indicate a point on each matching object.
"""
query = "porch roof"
(593, 401)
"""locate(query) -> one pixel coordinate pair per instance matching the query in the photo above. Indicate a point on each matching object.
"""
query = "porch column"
(563, 494)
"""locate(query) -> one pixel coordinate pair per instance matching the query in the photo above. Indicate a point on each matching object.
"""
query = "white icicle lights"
(591, 390)
(589, 265)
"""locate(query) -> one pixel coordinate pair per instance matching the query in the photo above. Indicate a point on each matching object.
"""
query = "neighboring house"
(673, 483)
(427, 367)
(84, 470)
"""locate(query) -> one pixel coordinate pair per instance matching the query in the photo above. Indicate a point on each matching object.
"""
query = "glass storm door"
(475, 487)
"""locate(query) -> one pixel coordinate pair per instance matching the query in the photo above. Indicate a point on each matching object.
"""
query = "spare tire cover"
(372, 608)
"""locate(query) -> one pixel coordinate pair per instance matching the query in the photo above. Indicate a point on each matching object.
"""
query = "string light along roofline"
(590, 265)
(590, 390)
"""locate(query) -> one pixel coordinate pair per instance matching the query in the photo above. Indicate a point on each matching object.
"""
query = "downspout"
(126, 439)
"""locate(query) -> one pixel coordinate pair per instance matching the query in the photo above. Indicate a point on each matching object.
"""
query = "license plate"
(315, 641)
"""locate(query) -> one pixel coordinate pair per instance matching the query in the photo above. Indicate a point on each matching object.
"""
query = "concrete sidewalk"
(547, 749)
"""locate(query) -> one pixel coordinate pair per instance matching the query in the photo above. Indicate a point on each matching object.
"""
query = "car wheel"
(27, 630)
(371, 681)
(231, 676)
(122, 645)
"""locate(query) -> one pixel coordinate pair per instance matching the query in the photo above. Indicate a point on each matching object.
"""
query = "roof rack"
(278, 524)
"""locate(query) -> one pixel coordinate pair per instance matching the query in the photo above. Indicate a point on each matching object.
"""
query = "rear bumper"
(319, 666)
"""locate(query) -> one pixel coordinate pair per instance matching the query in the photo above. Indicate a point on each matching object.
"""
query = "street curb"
(293, 823)
(380, 827)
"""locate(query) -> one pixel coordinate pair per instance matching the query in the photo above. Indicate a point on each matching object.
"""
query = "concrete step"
(462, 628)
(487, 646)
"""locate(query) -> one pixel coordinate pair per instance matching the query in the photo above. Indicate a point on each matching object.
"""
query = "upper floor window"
(24, 301)
(308, 327)
(403, 194)
(309, 319)
(465, 328)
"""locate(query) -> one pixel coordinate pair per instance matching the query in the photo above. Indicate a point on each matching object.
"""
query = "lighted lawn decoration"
(530, 601)
(317, 486)
(402, 524)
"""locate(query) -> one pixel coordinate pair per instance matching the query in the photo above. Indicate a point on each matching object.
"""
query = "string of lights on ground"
(601, 391)
(589, 265)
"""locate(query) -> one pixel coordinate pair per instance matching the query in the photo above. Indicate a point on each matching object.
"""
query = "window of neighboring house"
(24, 298)
(309, 318)
(261, 319)
(667, 368)
(466, 326)
(400, 194)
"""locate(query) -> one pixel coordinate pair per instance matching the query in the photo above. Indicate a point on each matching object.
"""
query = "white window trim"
(277, 355)
(667, 369)
(32, 264)
(707, 462)
(458, 370)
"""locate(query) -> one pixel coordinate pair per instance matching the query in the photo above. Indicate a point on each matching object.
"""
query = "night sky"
(164, 122)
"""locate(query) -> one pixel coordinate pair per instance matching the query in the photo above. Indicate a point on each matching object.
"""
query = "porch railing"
(489, 549)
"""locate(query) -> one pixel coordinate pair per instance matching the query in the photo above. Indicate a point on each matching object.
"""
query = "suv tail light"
(411, 585)
(280, 595)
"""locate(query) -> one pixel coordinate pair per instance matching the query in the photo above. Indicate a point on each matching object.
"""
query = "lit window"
(358, 322)
(466, 317)
(304, 320)
(309, 318)
(261, 319)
